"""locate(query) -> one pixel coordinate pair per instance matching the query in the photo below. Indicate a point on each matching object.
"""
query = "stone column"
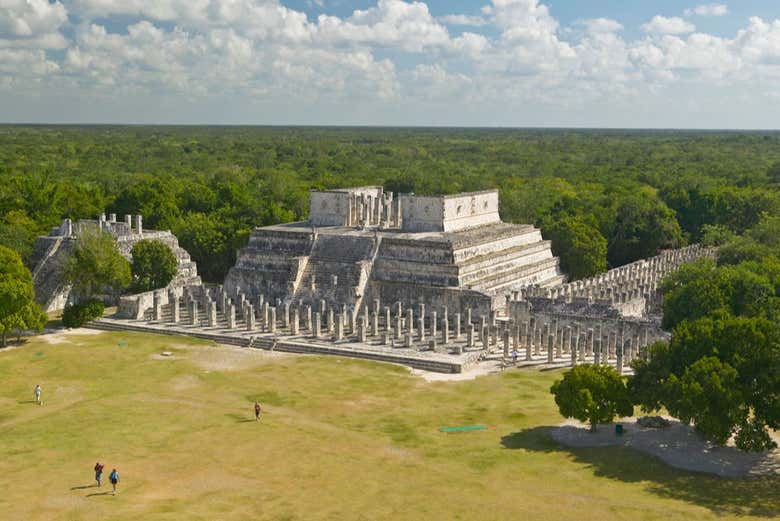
(421, 328)
(295, 322)
(157, 307)
(445, 331)
(537, 341)
(457, 326)
(316, 333)
(619, 358)
(573, 351)
(230, 316)
(387, 318)
(249, 317)
(272, 320)
(194, 312)
(339, 327)
(286, 315)
(470, 334)
(558, 344)
(331, 321)
(507, 340)
(375, 323)
(361, 330)
(175, 311)
(433, 324)
(211, 313)
(352, 322)
(307, 318)
(410, 320)
(397, 332)
(493, 336)
(468, 316)
(485, 338)
(408, 340)
(550, 341)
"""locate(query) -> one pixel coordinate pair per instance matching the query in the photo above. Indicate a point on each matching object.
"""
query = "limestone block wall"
(456, 299)
(470, 210)
(422, 213)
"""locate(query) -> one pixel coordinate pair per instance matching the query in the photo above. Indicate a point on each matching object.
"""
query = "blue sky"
(595, 63)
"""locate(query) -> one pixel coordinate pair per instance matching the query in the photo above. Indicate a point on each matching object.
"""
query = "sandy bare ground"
(679, 446)
(473, 371)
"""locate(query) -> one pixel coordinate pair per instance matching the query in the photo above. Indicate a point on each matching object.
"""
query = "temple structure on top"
(364, 244)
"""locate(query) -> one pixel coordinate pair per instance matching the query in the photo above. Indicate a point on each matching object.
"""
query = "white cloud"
(32, 24)
(707, 10)
(601, 25)
(462, 19)
(663, 25)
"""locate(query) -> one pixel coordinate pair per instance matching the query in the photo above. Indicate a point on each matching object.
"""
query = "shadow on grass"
(108, 493)
(82, 487)
(745, 496)
(239, 418)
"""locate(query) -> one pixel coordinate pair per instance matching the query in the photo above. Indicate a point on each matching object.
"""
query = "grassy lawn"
(341, 439)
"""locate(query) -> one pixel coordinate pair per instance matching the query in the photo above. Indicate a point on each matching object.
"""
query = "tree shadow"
(756, 496)
(82, 487)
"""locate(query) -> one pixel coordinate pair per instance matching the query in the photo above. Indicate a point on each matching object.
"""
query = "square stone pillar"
(194, 312)
(485, 339)
(550, 341)
(331, 320)
(410, 321)
(387, 318)
(175, 310)
(286, 315)
(397, 332)
(468, 316)
(230, 316)
(408, 340)
(339, 327)
(433, 324)
(374, 324)
(507, 340)
(211, 312)
(421, 328)
(272, 320)
(558, 344)
(573, 352)
(295, 321)
(457, 326)
(317, 327)
(352, 322)
(157, 307)
(249, 317)
(470, 335)
(307, 318)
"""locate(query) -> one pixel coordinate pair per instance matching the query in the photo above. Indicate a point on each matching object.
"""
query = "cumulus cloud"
(663, 25)
(393, 51)
(707, 10)
(32, 24)
(462, 19)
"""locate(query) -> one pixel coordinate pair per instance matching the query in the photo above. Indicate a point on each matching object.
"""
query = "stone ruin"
(51, 251)
(362, 244)
(431, 282)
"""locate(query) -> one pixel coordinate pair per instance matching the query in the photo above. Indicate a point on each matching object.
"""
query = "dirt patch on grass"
(471, 372)
(65, 336)
(225, 358)
(678, 445)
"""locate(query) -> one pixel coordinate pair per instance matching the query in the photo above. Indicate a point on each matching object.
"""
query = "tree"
(643, 226)
(96, 265)
(722, 374)
(18, 310)
(593, 394)
(580, 246)
(154, 265)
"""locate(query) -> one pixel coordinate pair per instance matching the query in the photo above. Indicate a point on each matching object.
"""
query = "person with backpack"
(257, 411)
(114, 479)
(98, 472)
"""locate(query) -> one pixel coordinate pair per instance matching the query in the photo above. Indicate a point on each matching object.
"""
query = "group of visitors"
(113, 477)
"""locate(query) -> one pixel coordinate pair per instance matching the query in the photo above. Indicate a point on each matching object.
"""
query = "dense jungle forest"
(604, 197)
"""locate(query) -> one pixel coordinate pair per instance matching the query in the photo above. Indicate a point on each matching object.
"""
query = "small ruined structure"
(51, 251)
(361, 244)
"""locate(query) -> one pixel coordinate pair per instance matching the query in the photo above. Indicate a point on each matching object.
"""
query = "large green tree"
(593, 394)
(154, 265)
(580, 246)
(96, 266)
(643, 226)
(721, 374)
(18, 310)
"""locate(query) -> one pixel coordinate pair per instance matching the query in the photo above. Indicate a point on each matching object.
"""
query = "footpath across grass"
(339, 439)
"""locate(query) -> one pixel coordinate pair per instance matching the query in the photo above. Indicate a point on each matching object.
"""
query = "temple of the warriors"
(433, 282)
(362, 244)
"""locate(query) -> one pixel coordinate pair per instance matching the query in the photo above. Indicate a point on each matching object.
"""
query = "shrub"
(79, 314)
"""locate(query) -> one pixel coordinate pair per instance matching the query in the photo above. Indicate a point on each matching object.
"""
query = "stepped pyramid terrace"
(362, 244)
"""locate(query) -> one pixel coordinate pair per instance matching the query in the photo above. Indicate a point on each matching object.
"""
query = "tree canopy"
(96, 266)
(18, 310)
(154, 265)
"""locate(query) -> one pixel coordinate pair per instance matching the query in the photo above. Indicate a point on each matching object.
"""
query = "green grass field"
(341, 439)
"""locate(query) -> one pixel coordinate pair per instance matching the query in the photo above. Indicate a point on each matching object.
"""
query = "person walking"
(37, 392)
(98, 472)
(114, 479)
(257, 411)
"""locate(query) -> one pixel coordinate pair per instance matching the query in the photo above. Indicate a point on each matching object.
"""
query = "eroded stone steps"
(517, 257)
(536, 273)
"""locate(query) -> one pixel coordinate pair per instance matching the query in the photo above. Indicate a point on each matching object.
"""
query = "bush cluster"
(77, 315)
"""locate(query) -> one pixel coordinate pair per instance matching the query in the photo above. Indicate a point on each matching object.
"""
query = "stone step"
(499, 262)
(537, 273)
(498, 241)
